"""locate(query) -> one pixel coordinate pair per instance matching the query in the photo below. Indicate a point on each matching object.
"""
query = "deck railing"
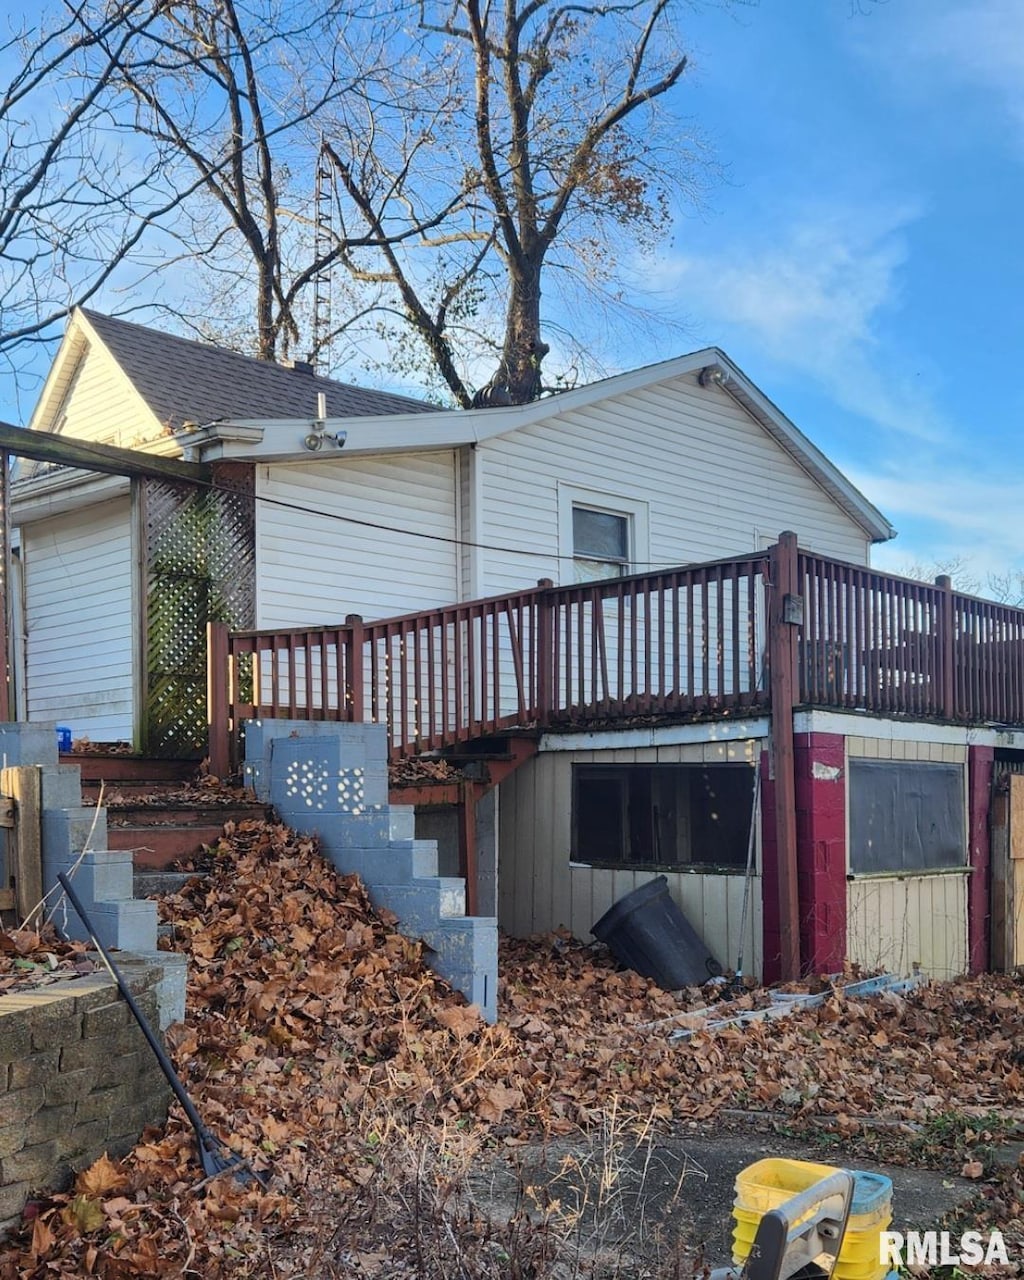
(681, 643)
(685, 641)
(894, 646)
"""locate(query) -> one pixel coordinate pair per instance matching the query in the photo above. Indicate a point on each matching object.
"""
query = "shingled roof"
(182, 380)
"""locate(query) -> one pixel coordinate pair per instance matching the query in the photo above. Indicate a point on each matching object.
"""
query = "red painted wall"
(820, 768)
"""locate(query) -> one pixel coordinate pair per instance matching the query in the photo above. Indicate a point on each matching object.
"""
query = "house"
(377, 558)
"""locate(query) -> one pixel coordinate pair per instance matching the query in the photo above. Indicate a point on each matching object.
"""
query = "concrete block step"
(396, 863)
(464, 951)
(421, 905)
(153, 884)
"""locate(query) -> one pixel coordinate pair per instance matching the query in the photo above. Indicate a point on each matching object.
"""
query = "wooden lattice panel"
(200, 567)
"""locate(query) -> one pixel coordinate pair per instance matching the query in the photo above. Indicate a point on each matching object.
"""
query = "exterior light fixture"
(712, 375)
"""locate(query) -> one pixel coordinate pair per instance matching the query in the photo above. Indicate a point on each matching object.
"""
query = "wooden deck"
(689, 643)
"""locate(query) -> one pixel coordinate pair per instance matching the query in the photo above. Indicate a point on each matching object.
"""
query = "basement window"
(663, 816)
(906, 817)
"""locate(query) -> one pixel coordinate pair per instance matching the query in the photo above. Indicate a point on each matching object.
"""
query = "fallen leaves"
(315, 1033)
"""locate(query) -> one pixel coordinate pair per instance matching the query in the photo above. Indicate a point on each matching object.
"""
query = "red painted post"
(218, 710)
(545, 649)
(468, 863)
(980, 762)
(782, 653)
(947, 648)
(354, 668)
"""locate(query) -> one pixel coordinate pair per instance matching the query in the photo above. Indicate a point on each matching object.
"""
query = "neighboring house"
(377, 506)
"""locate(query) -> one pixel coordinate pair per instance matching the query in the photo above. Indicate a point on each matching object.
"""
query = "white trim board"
(669, 735)
(851, 725)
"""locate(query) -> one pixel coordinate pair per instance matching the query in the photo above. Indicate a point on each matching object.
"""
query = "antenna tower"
(322, 243)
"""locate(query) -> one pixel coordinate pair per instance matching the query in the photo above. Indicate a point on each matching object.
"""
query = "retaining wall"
(77, 1078)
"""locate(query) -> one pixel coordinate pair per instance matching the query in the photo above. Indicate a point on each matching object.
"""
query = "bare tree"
(235, 90)
(73, 204)
(519, 143)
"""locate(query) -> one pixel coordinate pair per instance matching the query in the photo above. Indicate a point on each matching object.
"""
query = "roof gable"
(181, 380)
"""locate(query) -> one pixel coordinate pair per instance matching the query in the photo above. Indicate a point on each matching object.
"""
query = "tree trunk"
(523, 350)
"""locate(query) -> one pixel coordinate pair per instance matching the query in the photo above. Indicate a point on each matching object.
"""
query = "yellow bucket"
(768, 1184)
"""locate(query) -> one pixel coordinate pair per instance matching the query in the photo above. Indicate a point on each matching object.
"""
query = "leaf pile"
(31, 959)
(317, 1041)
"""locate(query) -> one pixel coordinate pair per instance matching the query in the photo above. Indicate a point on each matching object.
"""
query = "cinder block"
(341, 831)
(420, 904)
(69, 1086)
(37, 1068)
(401, 822)
(124, 926)
(66, 832)
(28, 743)
(169, 988)
(61, 786)
(93, 991)
(105, 1020)
(12, 1201)
(394, 863)
(48, 1123)
(80, 1145)
(15, 1035)
(465, 953)
(103, 876)
(103, 1102)
(12, 1136)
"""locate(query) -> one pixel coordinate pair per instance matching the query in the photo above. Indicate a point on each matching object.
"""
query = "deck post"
(947, 647)
(354, 668)
(782, 656)
(468, 863)
(6, 650)
(545, 653)
(217, 698)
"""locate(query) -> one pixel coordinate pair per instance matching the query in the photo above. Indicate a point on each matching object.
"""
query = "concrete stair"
(331, 780)
(154, 813)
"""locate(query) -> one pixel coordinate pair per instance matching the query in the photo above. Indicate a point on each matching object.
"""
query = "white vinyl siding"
(101, 405)
(374, 536)
(80, 627)
(541, 889)
(712, 478)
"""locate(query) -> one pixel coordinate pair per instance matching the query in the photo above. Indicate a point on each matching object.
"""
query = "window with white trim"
(600, 543)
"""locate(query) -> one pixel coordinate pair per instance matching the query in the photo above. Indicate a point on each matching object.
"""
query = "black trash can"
(646, 931)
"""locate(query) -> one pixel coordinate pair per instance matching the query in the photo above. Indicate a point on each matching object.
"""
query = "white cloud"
(978, 44)
(948, 514)
(811, 296)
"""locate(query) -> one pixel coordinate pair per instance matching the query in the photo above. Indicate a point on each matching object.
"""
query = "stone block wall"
(77, 1078)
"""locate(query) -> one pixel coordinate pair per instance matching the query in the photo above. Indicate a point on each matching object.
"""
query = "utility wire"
(285, 505)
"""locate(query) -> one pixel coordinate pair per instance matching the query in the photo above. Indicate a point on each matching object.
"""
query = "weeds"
(440, 1205)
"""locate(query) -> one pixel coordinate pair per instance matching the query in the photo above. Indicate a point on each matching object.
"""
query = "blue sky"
(862, 261)
(861, 258)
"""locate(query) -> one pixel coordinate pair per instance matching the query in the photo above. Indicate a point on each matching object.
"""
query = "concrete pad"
(672, 1196)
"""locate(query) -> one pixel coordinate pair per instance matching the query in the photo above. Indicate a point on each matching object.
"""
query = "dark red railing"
(899, 647)
(685, 642)
(680, 642)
